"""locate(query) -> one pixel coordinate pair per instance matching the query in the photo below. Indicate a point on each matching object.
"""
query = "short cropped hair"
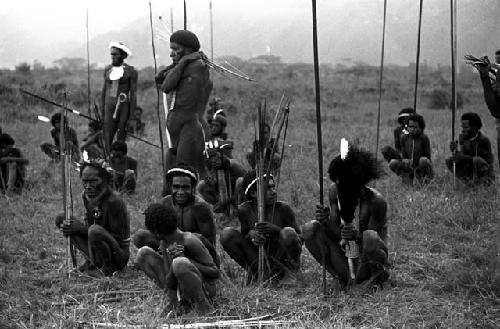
(160, 218)
(474, 119)
(418, 119)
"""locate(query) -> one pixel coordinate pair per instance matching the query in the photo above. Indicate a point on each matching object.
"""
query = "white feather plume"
(43, 118)
(85, 156)
(344, 148)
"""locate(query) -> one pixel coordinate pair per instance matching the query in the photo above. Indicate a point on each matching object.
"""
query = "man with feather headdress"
(327, 235)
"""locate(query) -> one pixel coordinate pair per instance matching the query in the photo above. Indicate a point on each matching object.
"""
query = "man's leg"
(105, 251)
(11, 176)
(401, 169)
(144, 238)
(497, 123)
(424, 171)
(191, 145)
(152, 264)
(170, 161)
(124, 113)
(320, 246)
(240, 249)
(389, 153)
(289, 248)
(374, 259)
(129, 181)
(481, 170)
(109, 127)
(191, 284)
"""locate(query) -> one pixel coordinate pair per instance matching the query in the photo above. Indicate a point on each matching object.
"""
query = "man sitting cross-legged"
(105, 236)
(12, 166)
(473, 159)
(415, 153)
(194, 214)
(279, 233)
(332, 225)
(184, 263)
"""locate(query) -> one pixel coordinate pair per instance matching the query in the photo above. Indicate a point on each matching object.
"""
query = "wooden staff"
(417, 64)
(381, 78)
(453, 30)
(260, 187)
(185, 16)
(88, 66)
(318, 131)
(160, 133)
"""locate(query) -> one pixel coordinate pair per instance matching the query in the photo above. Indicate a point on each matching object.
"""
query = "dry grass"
(444, 242)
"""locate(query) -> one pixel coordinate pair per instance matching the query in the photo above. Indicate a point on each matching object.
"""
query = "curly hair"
(57, 117)
(119, 146)
(474, 119)
(418, 119)
(358, 168)
(6, 139)
(160, 218)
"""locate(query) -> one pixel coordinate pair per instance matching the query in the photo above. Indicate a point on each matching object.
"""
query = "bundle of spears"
(262, 150)
(482, 62)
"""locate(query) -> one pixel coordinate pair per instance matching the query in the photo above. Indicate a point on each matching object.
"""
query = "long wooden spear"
(417, 64)
(88, 66)
(453, 30)
(318, 130)
(381, 78)
(160, 132)
(260, 187)
(185, 16)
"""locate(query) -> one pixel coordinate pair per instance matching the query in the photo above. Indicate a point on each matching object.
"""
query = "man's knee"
(143, 238)
(309, 229)
(449, 163)
(143, 254)
(182, 266)
(288, 235)
(371, 241)
(97, 233)
(394, 165)
(227, 237)
(424, 162)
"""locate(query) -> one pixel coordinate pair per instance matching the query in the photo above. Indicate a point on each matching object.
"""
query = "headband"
(254, 181)
(182, 171)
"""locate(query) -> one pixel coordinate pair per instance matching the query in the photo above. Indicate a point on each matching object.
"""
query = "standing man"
(474, 159)
(118, 98)
(187, 80)
(491, 89)
(104, 237)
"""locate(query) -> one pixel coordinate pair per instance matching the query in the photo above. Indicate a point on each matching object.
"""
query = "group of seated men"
(471, 160)
(176, 249)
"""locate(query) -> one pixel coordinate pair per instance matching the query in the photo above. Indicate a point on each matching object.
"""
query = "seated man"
(124, 168)
(220, 187)
(415, 153)
(135, 124)
(12, 166)
(270, 158)
(217, 125)
(94, 142)
(323, 236)
(105, 236)
(278, 233)
(70, 137)
(184, 263)
(390, 153)
(194, 214)
(473, 158)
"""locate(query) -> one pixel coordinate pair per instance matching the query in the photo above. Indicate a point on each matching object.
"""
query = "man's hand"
(190, 58)
(348, 232)
(266, 228)
(453, 146)
(257, 238)
(73, 228)
(322, 213)
(176, 250)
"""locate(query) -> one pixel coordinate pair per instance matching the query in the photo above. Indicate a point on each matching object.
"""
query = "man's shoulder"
(167, 200)
(130, 69)
(107, 68)
(196, 66)
(282, 205)
(246, 206)
(483, 138)
(375, 196)
(199, 203)
(114, 199)
(132, 161)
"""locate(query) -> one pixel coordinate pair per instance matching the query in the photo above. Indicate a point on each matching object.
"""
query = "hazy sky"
(65, 19)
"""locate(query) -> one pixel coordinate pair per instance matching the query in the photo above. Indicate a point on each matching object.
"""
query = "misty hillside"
(348, 32)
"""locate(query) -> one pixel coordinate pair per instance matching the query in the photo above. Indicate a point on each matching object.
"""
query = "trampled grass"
(444, 241)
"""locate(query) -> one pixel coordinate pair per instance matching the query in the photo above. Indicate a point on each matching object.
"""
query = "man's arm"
(332, 225)
(118, 221)
(200, 257)
(426, 147)
(174, 75)
(484, 150)
(205, 221)
(133, 89)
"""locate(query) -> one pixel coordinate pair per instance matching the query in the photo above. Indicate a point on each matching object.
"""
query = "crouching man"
(326, 236)
(184, 267)
(278, 233)
(104, 236)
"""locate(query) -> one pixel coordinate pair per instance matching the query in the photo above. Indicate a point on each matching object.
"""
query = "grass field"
(444, 242)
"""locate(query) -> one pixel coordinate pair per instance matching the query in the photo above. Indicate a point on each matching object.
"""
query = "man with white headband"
(279, 233)
(328, 236)
(195, 215)
(118, 97)
(388, 151)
